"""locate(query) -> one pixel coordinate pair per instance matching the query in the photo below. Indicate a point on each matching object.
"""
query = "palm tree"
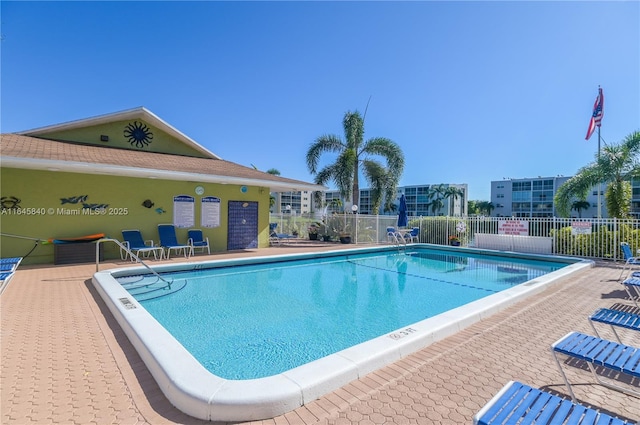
(354, 155)
(452, 193)
(485, 207)
(390, 208)
(335, 204)
(274, 172)
(436, 205)
(436, 194)
(615, 166)
(580, 205)
(473, 207)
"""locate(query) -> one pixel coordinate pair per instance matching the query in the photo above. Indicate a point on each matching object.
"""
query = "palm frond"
(389, 150)
(577, 186)
(378, 177)
(327, 143)
(353, 129)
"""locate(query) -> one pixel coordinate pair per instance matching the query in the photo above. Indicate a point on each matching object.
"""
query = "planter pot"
(455, 243)
(313, 236)
(326, 238)
(345, 239)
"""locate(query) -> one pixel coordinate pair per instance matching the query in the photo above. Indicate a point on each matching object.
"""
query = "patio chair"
(7, 267)
(135, 244)
(412, 236)
(615, 318)
(595, 351)
(169, 241)
(4, 280)
(277, 238)
(629, 259)
(393, 236)
(632, 285)
(520, 403)
(5, 276)
(9, 264)
(197, 240)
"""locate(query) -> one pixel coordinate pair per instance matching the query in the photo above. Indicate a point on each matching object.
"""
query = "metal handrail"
(128, 251)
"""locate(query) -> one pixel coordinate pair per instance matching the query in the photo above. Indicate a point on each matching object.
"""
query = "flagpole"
(599, 184)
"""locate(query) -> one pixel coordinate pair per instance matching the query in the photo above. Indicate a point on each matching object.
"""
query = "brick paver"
(65, 359)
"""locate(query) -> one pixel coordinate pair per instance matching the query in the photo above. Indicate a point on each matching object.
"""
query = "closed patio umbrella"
(402, 212)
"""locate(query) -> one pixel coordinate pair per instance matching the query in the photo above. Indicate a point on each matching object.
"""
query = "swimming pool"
(201, 393)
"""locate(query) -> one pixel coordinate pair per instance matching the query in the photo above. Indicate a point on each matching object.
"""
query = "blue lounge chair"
(135, 244)
(632, 285)
(9, 264)
(4, 280)
(277, 238)
(393, 236)
(7, 267)
(517, 403)
(599, 352)
(169, 241)
(615, 318)
(197, 240)
(412, 235)
(629, 259)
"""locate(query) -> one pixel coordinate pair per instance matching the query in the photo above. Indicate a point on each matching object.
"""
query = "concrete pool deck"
(66, 360)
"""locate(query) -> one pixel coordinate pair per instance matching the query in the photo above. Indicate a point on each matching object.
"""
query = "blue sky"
(471, 91)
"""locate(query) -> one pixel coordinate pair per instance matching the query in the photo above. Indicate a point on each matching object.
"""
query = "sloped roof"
(28, 152)
(130, 114)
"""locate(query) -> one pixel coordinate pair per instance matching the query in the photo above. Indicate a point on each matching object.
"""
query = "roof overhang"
(115, 170)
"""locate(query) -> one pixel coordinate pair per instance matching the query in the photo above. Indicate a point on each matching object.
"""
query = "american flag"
(598, 113)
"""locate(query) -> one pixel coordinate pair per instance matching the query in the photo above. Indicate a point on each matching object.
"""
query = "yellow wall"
(161, 141)
(41, 191)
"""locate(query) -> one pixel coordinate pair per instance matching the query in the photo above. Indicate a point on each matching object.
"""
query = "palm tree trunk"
(355, 196)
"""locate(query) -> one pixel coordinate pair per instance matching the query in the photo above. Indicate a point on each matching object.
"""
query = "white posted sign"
(513, 227)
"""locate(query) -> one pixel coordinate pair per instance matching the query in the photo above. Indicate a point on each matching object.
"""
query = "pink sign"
(581, 228)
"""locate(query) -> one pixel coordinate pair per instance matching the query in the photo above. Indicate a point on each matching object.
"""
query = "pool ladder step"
(156, 290)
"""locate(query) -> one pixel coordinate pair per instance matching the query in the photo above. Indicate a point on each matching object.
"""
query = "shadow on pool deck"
(66, 360)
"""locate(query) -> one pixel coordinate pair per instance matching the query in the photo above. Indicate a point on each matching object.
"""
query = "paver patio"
(65, 359)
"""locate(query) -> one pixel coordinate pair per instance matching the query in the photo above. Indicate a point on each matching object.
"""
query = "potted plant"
(313, 232)
(454, 240)
(345, 237)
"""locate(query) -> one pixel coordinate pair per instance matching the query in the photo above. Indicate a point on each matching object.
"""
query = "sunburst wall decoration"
(138, 134)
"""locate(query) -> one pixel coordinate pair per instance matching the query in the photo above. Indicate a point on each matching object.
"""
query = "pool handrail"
(128, 251)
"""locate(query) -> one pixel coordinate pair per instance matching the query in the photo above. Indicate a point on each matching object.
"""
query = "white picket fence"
(589, 238)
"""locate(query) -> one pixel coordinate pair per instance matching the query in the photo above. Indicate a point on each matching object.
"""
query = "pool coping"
(199, 393)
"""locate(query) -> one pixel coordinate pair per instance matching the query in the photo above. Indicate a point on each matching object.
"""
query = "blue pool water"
(253, 321)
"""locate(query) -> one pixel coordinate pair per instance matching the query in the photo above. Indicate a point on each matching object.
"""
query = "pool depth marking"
(401, 334)
(126, 302)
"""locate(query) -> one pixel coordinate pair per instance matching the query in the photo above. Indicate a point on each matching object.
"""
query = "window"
(521, 186)
(521, 196)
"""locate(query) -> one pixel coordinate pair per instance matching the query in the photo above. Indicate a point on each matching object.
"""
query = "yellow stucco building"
(126, 170)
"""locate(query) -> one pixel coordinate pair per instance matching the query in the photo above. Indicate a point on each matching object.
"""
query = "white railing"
(133, 256)
(590, 238)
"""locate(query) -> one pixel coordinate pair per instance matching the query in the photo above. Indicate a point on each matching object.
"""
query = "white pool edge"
(199, 393)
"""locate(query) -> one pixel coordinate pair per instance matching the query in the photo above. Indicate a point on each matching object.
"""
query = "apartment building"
(419, 200)
(293, 202)
(533, 197)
